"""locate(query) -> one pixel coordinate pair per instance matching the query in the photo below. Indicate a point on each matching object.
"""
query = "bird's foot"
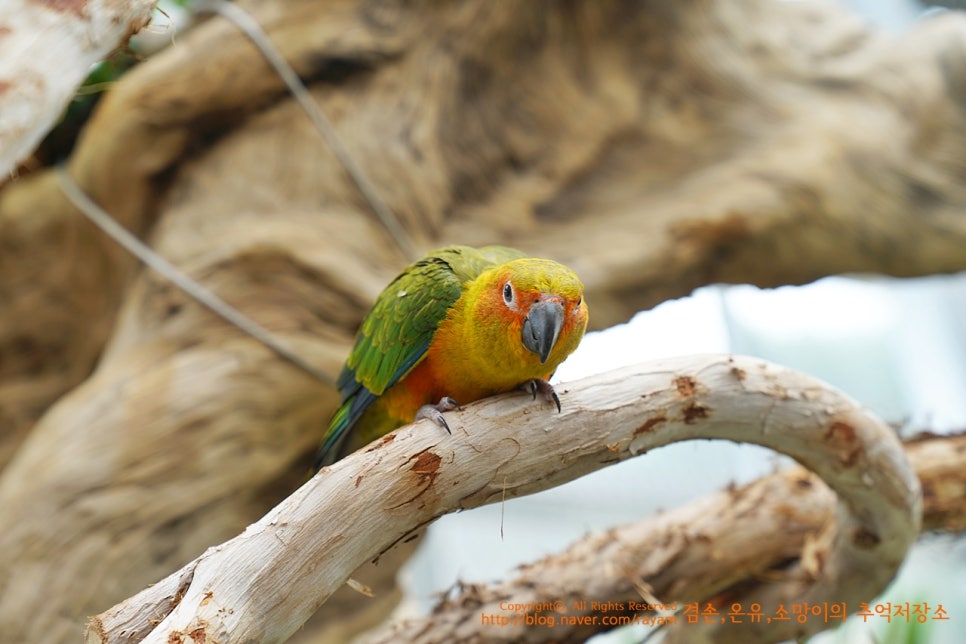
(542, 387)
(435, 412)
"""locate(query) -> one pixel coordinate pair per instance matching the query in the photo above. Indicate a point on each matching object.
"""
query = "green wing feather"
(399, 328)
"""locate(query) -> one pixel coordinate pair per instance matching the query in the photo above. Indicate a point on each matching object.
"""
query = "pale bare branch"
(262, 585)
(719, 548)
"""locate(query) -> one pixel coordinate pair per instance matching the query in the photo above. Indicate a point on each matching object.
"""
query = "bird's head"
(541, 300)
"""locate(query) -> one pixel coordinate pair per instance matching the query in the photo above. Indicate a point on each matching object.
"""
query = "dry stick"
(263, 584)
(96, 215)
(250, 27)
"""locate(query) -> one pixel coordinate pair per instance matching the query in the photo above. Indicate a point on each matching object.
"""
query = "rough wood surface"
(263, 585)
(940, 462)
(654, 147)
(695, 553)
(46, 51)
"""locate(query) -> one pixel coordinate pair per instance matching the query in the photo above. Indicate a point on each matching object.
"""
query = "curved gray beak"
(541, 328)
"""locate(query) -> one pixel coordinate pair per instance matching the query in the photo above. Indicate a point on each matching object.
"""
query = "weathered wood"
(940, 462)
(46, 51)
(714, 550)
(263, 585)
(654, 147)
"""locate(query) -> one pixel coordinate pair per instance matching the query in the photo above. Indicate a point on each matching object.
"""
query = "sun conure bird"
(458, 325)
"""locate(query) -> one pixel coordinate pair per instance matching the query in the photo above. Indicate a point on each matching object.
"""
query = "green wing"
(397, 332)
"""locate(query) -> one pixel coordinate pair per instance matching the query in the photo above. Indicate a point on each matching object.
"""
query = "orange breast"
(427, 383)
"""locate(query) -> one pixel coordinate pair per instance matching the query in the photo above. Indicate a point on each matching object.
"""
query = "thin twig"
(250, 27)
(100, 218)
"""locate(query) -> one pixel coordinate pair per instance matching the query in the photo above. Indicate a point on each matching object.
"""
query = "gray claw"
(556, 400)
(539, 385)
(435, 412)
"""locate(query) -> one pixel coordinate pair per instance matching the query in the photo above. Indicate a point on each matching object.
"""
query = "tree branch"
(940, 462)
(716, 549)
(266, 582)
(47, 51)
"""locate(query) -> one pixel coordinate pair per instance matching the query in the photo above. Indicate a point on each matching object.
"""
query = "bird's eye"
(508, 293)
(579, 300)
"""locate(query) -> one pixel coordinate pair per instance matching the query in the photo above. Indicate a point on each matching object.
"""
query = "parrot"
(460, 324)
